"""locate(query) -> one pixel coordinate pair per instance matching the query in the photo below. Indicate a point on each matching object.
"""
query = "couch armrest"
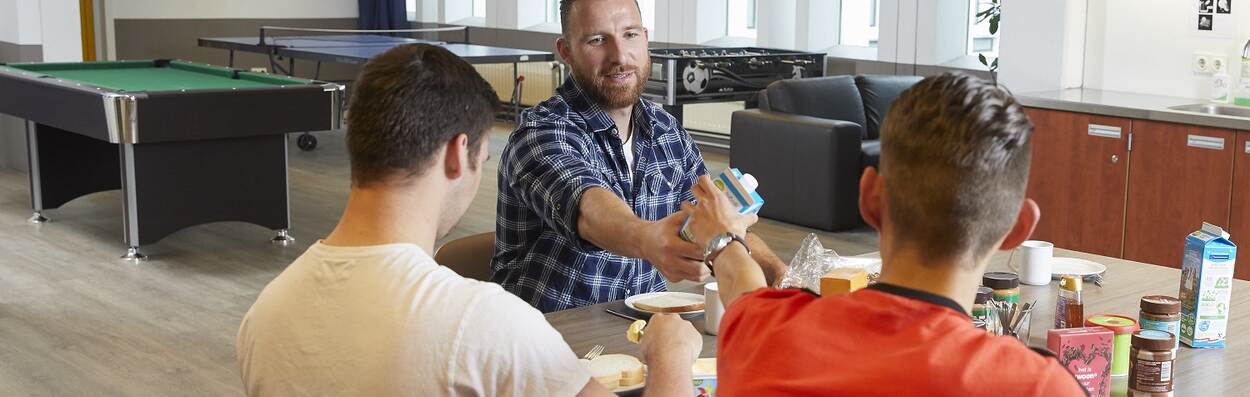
(808, 167)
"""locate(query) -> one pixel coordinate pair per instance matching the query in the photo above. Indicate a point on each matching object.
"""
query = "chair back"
(468, 256)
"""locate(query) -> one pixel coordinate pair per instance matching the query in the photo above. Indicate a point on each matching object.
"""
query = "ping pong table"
(357, 49)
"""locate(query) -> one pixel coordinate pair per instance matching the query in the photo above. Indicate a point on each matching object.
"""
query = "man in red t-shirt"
(950, 192)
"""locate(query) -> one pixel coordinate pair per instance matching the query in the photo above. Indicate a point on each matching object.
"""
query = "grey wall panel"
(12, 129)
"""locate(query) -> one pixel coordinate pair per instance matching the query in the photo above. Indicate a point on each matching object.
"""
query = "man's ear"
(456, 159)
(562, 48)
(870, 204)
(1026, 221)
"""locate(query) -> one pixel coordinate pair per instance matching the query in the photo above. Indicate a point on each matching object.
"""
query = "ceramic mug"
(1035, 262)
(712, 308)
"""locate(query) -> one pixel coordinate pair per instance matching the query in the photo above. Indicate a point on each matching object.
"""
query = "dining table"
(1197, 372)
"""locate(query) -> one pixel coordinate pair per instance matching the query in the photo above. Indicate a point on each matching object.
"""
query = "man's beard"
(613, 96)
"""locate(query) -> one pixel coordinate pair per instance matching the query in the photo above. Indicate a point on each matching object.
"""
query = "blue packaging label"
(1174, 327)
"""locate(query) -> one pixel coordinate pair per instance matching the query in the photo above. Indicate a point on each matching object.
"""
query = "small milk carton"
(1206, 286)
(740, 188)
(1086, 353)
(704, 371)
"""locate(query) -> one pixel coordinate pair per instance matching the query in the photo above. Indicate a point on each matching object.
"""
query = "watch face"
(716, 244)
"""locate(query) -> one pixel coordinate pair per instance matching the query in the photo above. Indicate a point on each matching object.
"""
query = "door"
(1239, 209)
(1179, 177)
(1078, 178)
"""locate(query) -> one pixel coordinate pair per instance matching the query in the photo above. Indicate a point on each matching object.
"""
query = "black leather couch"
(808, 144)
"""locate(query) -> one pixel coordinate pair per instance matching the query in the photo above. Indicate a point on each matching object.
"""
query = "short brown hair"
(566, 6)
(406, 104)
(955, 153)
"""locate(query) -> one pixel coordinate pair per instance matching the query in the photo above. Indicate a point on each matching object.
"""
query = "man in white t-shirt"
(367, 311)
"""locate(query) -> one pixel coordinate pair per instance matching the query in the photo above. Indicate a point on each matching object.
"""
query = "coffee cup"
(1035, 262)
(712, 308)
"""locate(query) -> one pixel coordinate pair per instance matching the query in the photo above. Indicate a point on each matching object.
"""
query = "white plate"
(628, 389)
(629, 302)
(1075, 266)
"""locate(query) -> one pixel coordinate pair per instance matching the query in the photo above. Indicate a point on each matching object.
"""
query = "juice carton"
(1206, 286)
(1086, 353)
(704, 371)
(740, 188)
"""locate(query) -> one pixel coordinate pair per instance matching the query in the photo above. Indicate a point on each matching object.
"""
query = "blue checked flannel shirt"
(563, 147)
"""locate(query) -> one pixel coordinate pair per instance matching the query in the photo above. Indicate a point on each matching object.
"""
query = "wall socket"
(1209, 63)
(1219, 64)
(1202, 63)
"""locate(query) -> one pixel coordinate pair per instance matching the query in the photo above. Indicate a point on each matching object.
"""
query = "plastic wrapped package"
(813, 260)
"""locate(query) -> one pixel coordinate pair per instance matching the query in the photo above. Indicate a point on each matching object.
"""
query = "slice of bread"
(616, 370)
(670, 303)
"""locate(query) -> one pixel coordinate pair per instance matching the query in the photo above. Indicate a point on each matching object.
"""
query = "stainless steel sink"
(1207, 108)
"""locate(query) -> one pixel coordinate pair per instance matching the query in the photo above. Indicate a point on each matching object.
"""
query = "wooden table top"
(1197, 372)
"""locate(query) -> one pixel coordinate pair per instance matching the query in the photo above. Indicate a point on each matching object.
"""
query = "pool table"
(186, 143)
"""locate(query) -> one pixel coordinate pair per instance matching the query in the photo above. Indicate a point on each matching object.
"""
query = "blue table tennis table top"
(359, 48)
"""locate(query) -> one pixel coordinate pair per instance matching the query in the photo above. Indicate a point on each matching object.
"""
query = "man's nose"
(617, 53)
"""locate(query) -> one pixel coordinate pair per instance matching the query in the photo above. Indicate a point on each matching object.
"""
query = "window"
(980, 41)
(553, 11)
(741, 18)
(479, 8)
(411, 7)
(859, 23)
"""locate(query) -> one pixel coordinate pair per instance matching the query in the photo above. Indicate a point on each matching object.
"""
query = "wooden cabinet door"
(1239, 209)
(1078, 178)
(1179, 177)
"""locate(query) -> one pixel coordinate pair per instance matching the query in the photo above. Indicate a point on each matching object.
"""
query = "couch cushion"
(871, 152)
(878, 93)
(833, 97)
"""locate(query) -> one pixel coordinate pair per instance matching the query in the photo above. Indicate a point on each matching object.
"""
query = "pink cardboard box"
(1086, 352)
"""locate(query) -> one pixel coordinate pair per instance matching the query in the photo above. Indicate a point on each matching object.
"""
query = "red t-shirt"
(881, 341)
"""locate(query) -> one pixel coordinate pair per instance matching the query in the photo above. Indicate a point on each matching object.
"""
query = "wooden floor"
(75, 320)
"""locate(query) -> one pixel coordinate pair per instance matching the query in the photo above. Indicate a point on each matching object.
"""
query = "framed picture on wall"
(1204, 22)
(1224, 6)
(1206, 6)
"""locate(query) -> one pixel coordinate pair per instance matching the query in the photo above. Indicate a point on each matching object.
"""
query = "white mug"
(712, 308)
(1035, 262)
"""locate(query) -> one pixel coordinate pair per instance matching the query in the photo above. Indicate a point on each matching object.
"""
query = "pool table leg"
(36, 189)
(130, 206)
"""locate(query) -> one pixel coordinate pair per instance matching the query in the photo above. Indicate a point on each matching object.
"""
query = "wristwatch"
(717, 245)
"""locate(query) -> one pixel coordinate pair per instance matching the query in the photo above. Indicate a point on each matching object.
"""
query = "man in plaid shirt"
(592, 181)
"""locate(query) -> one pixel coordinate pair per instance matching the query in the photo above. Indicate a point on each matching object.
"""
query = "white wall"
(941, 31)
(689, 21)
(61, 31)
(19, 22)
(776, 22)
(1043, 45)
(214, 9)
(1146, 46)
(816, 30)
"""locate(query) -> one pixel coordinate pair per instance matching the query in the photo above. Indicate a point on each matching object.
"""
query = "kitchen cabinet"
(1078, 179)
(1179, 176)
(1239, 209)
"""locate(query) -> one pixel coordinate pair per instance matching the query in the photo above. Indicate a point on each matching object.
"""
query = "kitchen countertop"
(1129, 105)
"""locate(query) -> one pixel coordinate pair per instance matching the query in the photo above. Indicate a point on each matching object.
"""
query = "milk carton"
(740, 188)
(1206, 286)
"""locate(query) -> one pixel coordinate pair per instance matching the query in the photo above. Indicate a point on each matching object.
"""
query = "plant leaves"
(994, 25)
(983, 61)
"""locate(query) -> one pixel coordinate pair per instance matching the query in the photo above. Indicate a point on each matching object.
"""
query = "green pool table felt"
(144, 76)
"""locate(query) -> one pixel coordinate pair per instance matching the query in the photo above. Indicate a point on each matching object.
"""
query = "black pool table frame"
(180, 158)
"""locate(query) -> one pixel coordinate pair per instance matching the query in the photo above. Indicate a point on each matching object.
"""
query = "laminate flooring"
(76, 320)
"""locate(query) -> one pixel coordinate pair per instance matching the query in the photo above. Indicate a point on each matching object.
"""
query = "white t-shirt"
(627, 148)
(388, 321)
